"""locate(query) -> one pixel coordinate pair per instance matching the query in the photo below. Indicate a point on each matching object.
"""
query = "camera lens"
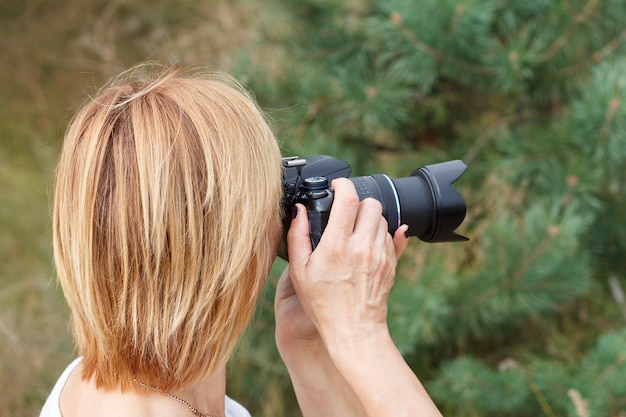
(425, 201)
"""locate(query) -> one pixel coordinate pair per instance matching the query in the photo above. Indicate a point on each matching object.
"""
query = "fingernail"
(406, 231)
(294, 212)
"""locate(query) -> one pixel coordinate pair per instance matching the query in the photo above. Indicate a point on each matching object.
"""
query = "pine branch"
(564, 38)
(306, 121)
(580, 404)
(584, 15)
(595, 57)
(490, 132)
(540, 249)
(541, 399)
(375, 147)
(609, 116)
(618, 294)
(434, 53)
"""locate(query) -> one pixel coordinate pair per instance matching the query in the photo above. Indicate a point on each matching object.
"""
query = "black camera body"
(425, 200)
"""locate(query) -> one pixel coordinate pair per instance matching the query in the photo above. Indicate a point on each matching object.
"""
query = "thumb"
(298, 240)
(284, 287)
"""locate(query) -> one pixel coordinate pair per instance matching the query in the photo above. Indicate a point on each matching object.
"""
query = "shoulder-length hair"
(167, 198)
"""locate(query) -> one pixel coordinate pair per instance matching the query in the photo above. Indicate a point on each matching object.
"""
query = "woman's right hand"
(343, 287)
(344, 284)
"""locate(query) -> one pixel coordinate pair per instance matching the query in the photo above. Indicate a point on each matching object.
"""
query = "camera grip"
(318, 203)
(317, 223)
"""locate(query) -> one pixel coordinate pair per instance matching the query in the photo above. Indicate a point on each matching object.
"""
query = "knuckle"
(367, 255)
(339, 247)
(348, 199)
(382, 260)
(358, 251)
(373, 204)
(345, 192)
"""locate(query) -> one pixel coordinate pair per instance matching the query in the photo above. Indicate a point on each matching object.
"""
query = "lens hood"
(448, 207)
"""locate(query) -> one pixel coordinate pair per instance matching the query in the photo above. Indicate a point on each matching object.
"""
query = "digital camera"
(425, 200)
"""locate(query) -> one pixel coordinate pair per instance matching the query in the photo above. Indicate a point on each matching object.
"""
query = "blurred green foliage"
(520, 321)
(531, 95)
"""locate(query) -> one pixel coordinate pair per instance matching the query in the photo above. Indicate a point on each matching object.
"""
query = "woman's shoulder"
(51, 406)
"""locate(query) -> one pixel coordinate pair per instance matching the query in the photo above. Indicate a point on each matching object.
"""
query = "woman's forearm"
(379, 377)
(320, 388)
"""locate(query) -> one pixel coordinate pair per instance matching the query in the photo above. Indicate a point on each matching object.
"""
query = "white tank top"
(52, 409)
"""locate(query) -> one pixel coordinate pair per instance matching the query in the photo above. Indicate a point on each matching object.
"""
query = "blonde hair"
(167, 196)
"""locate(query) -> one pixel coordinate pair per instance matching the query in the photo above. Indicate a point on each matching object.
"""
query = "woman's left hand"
(294, 329)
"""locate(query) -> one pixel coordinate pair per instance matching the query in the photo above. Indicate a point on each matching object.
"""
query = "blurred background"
(528, 318)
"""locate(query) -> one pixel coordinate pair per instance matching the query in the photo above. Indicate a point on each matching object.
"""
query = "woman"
(167, 217)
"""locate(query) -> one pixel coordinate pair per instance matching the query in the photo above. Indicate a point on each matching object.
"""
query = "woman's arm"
(380, 378)
(320, 389)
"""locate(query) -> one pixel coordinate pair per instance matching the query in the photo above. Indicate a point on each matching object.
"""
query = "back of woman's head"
(167, 199)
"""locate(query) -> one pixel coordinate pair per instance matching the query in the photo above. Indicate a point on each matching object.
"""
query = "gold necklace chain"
(173, 397)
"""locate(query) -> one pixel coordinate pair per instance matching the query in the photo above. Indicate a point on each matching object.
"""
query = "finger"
(390, 245)
(384, 256)
(369, 216)
(298, 241)
(401, 240)
(344, 210)
(372, 219)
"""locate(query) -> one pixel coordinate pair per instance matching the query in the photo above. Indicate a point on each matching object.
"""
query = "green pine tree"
(521, 320)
